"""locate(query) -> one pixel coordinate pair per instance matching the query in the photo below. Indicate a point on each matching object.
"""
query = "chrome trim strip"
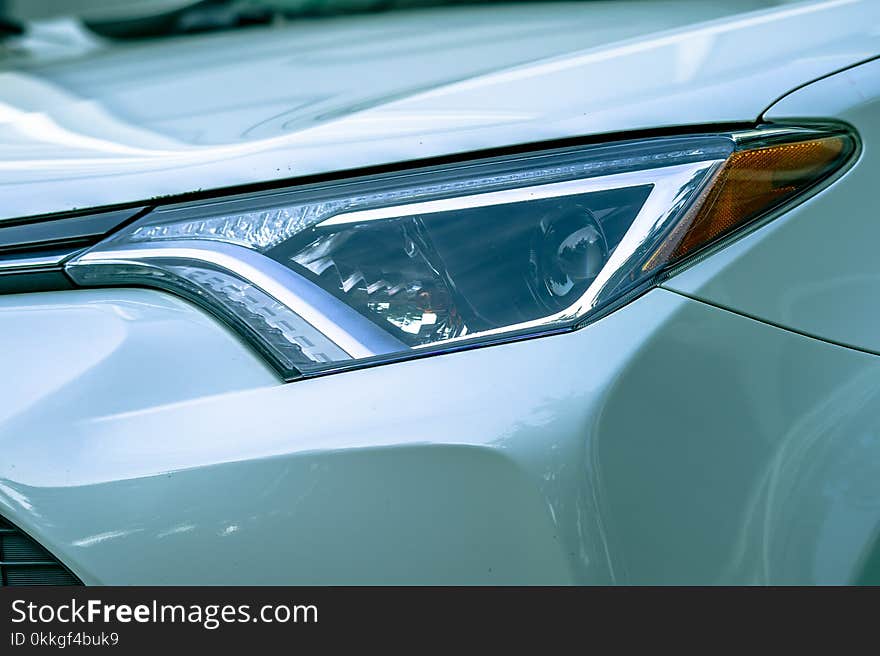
(360, 337)
(16, 263)
(771, 134)
(352, 332)
(503, 197)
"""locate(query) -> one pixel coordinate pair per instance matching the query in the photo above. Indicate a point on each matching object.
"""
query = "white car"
(531, 293)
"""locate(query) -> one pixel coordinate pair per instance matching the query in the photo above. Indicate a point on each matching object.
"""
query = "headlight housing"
(330, 276)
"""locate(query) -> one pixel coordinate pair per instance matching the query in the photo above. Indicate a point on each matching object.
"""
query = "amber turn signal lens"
(750, 184)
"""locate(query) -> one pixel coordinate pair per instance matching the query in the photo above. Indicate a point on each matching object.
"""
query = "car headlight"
(330, 276)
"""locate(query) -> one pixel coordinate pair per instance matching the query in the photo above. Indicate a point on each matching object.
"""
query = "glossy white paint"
(670, 442)
(814, 269)
(130, 123)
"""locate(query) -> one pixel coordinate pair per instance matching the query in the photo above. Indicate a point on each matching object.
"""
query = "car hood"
(122, 123)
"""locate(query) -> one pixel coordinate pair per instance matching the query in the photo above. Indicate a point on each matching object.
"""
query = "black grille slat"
(41, 576)
(24, 562)
(19, 547)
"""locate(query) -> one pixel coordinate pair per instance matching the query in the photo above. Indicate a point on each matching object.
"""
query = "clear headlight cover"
(331, 276)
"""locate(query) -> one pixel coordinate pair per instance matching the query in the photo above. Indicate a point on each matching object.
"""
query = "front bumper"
(670, 442)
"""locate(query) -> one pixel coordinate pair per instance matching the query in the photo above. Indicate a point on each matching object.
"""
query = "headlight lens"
(331, 276)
